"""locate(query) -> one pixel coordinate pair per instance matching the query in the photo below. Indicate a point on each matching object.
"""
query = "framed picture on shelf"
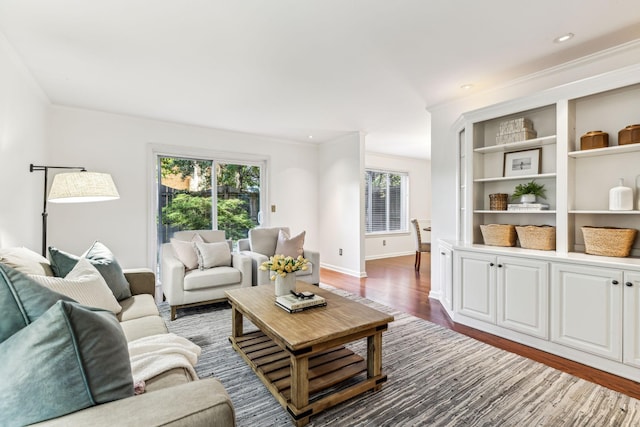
(526, 162)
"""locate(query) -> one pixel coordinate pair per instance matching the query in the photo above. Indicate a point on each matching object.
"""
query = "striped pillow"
(84, 284)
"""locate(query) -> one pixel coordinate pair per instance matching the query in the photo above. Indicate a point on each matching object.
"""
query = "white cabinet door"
(474, 278)
(446, 277)
(523, 295)
(586, 309)
(631, 325)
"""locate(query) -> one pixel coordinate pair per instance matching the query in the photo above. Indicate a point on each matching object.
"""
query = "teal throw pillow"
(22, 300)
(102, 259)
(71, 358)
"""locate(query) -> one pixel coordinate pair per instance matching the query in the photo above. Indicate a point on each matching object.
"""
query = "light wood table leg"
(300, 386)
(236, 323)
(374, 356)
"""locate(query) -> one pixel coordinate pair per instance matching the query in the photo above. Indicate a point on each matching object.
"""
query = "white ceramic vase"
(621, 197)
(286, 284)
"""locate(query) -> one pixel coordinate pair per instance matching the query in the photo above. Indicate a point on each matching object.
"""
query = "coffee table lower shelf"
(334, 375)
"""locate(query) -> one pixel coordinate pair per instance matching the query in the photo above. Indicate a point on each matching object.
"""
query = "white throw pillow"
(290, 246)
(186, 251)
(213, 254)
(84, 284)
(25, 261)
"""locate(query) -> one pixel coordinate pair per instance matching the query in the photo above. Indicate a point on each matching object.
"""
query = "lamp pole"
(45, 169)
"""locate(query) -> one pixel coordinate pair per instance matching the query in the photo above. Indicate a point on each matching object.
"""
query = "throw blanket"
(155, 354)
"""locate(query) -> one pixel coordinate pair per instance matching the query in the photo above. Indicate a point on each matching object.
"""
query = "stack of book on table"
(527, 207)
(293, 304)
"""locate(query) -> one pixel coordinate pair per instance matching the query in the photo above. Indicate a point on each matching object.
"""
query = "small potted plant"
(529, 192)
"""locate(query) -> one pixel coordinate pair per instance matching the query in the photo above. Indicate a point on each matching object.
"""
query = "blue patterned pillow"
(102, 259)
(71, 358)
(22, 300)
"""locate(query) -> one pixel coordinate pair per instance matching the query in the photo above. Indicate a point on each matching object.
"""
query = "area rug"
(436, 377)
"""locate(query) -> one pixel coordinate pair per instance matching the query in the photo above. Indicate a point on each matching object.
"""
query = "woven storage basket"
(498, 201)
(499, 234)
(537, 237)
(608, 241)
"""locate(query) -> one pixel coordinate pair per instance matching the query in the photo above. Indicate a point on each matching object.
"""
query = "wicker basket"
(498, 234)
(608, 241)
(498, 201)
(541, 237)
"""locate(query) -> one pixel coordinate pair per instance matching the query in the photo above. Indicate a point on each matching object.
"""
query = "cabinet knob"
(499, 265)
(629, 283)
(491, 264)
(442, 253)
(615, 282)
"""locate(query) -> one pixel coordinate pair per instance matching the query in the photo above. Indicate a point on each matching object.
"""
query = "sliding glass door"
(188, 189)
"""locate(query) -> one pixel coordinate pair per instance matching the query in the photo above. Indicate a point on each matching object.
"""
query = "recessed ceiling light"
(310, 136)
(563, 38)
(466, 87)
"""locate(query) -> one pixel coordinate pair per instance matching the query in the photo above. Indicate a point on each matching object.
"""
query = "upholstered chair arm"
(141, 280)
(259, 277)
(243, 263)
(172, 276)
(244, 245)
(314, 259)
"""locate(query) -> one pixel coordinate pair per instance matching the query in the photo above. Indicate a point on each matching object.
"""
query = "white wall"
(443, 136)
(23, 130)
(120, 145)
(419, 203)
(341, 201)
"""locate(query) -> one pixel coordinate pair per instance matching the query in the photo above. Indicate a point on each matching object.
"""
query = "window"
(386, 201)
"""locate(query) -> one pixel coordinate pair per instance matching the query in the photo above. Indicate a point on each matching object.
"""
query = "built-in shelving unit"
(577, 182)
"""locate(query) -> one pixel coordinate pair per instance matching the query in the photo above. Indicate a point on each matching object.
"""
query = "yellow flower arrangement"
(281, 265)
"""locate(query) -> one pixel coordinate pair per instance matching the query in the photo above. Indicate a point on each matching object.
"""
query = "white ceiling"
(294, 68)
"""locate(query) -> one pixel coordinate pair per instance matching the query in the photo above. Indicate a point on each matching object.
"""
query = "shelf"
(606, 151)
(604, 212)
(515, 178)
(520, 145)
(515, 212)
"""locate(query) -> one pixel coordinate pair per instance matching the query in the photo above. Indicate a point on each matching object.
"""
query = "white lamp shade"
(79, 187)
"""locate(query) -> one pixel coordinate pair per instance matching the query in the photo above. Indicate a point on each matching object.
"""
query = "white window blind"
(386, 201)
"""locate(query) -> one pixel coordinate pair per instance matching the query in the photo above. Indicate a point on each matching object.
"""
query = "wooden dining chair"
(420, 245)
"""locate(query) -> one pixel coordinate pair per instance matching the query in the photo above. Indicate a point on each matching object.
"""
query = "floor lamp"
(73, 187)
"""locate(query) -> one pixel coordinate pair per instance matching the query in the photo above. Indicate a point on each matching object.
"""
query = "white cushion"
(290, 246)
(264, 240)
(84, 284)
(186, 252)
(213, 255)
(211, 278)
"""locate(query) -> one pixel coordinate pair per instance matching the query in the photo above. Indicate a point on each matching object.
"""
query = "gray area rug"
(436, 377)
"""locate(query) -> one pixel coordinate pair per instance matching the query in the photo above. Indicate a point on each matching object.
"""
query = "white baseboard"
(342, 270)
(388, 255)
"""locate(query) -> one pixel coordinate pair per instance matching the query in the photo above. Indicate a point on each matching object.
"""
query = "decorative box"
(629, 135)
(594, 139)
(515, 125)
(515, 130)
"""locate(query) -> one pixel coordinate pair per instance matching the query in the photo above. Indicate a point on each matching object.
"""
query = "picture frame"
(524, 162)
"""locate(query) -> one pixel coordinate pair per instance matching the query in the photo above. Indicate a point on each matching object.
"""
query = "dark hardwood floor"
(395, 283)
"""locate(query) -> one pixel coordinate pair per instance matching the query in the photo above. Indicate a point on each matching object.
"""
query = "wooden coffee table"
(301, 357)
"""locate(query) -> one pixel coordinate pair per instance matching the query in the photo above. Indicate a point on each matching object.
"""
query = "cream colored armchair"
(197, 269)
(261, 245)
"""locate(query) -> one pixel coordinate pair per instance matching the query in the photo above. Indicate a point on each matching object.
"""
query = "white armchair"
(186, 287)
(261, 245)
